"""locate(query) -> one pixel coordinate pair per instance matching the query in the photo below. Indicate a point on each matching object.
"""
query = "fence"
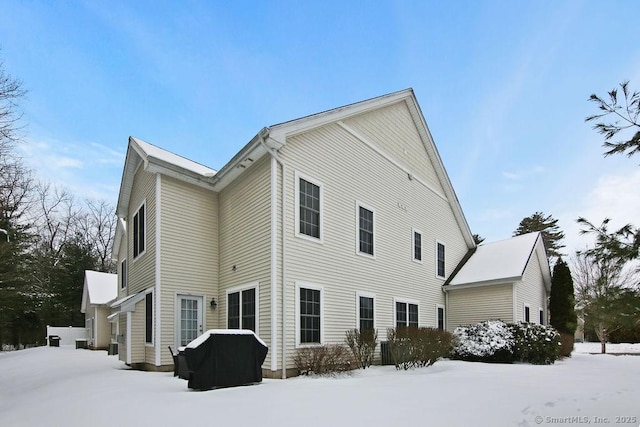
(68, 334)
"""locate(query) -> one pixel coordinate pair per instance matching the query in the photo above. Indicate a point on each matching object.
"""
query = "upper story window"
(123, 274)
(308, 207)
(417, 246)
(440, 260)
(366, 241)
(139, 231)
(527, 313)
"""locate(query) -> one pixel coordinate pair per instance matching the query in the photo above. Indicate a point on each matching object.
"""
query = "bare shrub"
(418, 347)
(323, 360)
(363, 345)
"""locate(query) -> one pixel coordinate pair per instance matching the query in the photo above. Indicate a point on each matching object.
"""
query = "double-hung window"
(366, 241)
(139, 222)
(440, 260)
(365, 312)
(527, 313)
(440, 317)
(308, 208)
(148, 318)
(123, 274)
(241, 309)
(406, 314)
(310, 315)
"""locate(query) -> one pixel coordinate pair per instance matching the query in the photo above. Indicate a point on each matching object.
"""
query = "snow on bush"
(491, 340)
(537, 344)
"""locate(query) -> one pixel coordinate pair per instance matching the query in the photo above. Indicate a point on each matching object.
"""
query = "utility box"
(54, 341)
(81, 343)
(112, 349)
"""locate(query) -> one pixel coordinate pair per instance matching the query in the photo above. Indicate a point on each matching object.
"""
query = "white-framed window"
(309, 314)
(309, 204)
(405, 313)
(365, 310)
(139, 231)
(148, 317)
(440, 260)
(416, 244)
(242, 304)
(440, 317)
(541, 315)
(527, 313)
(365, 230)
(123, 274)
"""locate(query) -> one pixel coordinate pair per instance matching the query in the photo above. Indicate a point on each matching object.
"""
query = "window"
(148, 318)
(310, 315)
(123, 274)
(527, 313)
(440, 317)
(309, 208)
(440, 263)
(139, 232)
(365, 312)
(241, 309)
(365, 230)
(417, 246)
(541, 311)
(406, 314)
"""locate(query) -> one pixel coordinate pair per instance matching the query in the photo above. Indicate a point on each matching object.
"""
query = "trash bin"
(81, 343)
(54, 341)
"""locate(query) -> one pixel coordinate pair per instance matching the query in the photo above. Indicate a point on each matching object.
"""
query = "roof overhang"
(502, 281)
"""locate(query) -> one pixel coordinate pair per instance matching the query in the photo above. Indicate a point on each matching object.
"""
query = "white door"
(189, 319)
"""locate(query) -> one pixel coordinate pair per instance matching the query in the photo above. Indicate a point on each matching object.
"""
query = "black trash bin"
(54, 341)
(225, 358)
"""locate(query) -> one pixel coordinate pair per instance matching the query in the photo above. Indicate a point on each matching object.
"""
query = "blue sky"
(503, 86)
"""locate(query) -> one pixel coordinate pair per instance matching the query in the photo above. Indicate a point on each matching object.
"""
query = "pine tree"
(561, 299)
(551, 233)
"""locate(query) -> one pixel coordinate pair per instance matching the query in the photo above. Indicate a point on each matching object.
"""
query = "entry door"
(189, 319)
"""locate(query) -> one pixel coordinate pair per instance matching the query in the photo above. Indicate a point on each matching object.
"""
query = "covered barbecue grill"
(224, 358)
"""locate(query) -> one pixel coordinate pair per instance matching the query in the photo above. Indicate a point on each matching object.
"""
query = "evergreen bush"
(488, 341)
(566, 344)
(535, 344)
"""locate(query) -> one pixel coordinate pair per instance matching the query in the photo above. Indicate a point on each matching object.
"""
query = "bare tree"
(602, 289)
(10, 92)
(98, 225)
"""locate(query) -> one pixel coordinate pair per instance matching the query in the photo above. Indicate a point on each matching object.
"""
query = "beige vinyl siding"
(531, 291)
(122, 341)
(142, 269)
(122, 255)
(477, 304)
(103, 327)
(245, 241)
(394, 123)
(138, 333)
(352, 171)
(189, 256)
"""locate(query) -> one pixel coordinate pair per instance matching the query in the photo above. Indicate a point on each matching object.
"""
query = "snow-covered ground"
(67, 387)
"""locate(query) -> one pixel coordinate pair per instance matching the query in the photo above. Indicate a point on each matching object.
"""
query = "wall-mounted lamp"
(213, 303)
(234, 268)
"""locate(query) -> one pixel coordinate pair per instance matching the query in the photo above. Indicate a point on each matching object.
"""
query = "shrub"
(566, 344)
(418, 347)
(363, 345)
(323, 360)
(536, 344)
(489, 341)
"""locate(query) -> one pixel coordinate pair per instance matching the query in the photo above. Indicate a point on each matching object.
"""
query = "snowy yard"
(68, 387)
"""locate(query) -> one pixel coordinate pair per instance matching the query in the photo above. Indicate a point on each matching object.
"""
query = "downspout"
(275, 159)
(446, 309)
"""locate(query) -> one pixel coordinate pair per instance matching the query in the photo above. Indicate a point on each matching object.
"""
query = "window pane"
(141, 219)
(234, 310)
(309, 209)
(440, 318)
(413, 315)
(366, 313)
(366, 230)
(441, 269)
(417, 246)
(136, 250)
(249, 309)
(309, 315)
(401, 314)
(149, 317)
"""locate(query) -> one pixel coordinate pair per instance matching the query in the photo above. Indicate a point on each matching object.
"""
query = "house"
(342, 219)
(502, 279)
(100, 289)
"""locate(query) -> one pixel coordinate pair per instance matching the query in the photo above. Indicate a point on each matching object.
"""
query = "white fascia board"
(502, 281)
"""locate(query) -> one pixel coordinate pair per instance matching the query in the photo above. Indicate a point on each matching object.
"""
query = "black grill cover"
(225, 359)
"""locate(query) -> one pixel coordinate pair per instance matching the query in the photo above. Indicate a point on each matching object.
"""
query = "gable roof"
(99, 288)
(271, 139)
(502, 262)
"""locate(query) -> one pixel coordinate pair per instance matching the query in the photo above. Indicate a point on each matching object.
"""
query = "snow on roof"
(101, 287)
(202, 338)
(174, 159)
(505, 259)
